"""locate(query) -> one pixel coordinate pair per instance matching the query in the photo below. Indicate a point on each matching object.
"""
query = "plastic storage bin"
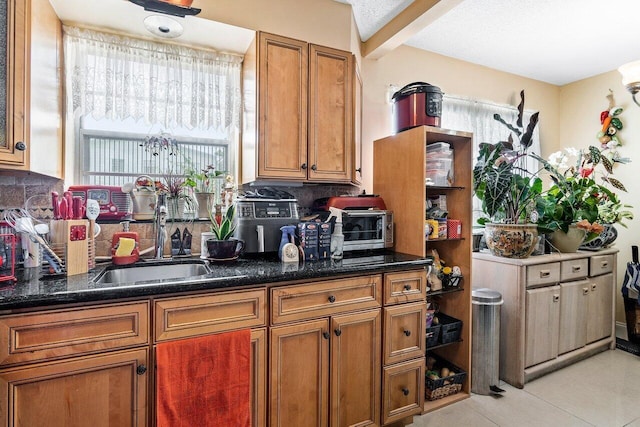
(451, 328)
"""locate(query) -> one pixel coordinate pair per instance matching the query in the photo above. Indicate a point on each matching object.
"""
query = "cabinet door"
(330, 114)
(12, 115)
(106, 390)
(258, 377)
(600, 307)
(542, 324)
(282, 134)
(573, 309)
(299, 372)
(355, 369)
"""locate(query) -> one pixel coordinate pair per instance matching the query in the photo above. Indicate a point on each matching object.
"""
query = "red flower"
(585, 172)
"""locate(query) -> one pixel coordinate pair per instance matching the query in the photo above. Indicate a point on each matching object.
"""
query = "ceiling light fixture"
(631, 78)
(179, 8)
(163, 26)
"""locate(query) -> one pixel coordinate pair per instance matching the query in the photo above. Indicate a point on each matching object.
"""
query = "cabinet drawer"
(574, 269)
(404, 332)
(199, 315)
(403, 386)
(600, 264)
(543, 274)
(405, 287)
(61, 333)
(298, 302)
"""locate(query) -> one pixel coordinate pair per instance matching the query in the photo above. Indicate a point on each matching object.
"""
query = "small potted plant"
(179, 195)
(223, 246)
(508, 190)
(204, 184)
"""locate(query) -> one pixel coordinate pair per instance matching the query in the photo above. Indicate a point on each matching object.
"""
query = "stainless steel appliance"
(260, 219)
(366, 224)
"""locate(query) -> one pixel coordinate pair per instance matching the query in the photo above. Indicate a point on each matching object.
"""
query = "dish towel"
(204, 381)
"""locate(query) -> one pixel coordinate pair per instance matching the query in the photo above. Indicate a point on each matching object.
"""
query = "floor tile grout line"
(558, 407)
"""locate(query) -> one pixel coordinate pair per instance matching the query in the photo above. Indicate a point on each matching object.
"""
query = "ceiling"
(554, 41)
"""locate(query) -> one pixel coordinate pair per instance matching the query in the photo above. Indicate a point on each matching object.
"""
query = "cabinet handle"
(359, 170)
(405, 391)
(338, 332)
(326, 335)
(141, 369)
(407, 287)
(21, 146)
(593, 287)
(303, 166)
(332, 298)
(407, 332)
(576, 268)
(585, 291)
(556, 297)
(314, 167)
(544, 273)
(604, 264)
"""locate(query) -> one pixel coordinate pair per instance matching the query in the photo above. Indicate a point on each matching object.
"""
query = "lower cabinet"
(558, 309)
(326, 371)
(92, 391)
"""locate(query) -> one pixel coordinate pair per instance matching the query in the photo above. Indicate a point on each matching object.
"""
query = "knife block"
(73, 235)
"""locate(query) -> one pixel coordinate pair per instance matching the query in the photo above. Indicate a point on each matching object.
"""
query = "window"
(470, 115)
(125, 89)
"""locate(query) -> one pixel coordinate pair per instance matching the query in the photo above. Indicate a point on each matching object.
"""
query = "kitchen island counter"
(33, 290)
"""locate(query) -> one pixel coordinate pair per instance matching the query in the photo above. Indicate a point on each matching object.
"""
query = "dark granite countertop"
(33, 290)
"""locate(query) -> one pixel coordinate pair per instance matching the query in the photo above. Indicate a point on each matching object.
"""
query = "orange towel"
(204, 381)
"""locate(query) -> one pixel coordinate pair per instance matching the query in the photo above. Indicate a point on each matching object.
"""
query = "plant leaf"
(617, 184)
(607, 164)
(526, 139)
(499, 118)
(520, 109)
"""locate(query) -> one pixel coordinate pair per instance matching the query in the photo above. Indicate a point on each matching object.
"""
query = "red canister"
(417, 104)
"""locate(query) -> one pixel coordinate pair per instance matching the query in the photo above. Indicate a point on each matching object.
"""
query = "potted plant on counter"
(223, 246)
(204, 184)
(508, 190)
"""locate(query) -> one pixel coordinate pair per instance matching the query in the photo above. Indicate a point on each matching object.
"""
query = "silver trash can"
(485, 352)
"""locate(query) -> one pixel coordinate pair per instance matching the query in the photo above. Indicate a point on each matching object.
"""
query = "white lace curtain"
(118, 77)
(465, 114)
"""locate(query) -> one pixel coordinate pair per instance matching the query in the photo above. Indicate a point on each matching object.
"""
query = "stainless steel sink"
(154, 271)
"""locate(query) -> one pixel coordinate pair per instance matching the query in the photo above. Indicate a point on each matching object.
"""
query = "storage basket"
(433, 335)
(446, 386)
(450, 328)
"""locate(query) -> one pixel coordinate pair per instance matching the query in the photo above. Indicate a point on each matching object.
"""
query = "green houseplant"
(508, 190)
(223, 246)
(204, 183)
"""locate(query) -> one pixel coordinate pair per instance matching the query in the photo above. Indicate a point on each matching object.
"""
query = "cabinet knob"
(604, 264)
(359, 170)
(407, 287)
(576, 268)
(406, 332)
(21, 146)
(405, 391)
(593, 287)
(556, 297)
(314, 167)
(332, 298)
(338, 332)
(585, 291)
(141, 369)
(303, 166)
(544, 273)
(326, 335)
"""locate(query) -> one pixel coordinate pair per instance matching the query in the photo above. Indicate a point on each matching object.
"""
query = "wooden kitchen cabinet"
(94, 391)
(558, 309)
(399, 178)
(298, 111)
(325, 366)
(33, 67)
(59, 366)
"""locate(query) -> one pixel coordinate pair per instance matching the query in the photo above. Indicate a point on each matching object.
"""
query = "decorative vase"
(511, 240)
(567, 242)
(603, 240)
(205, 203)
(175, 207)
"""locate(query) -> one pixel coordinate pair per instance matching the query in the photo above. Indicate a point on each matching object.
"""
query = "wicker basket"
(442, 387)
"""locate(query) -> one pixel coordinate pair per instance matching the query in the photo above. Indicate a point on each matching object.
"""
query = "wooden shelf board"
(432, 405)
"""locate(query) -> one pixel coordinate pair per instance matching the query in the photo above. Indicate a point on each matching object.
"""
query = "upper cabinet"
(298, 112)
(31, 123)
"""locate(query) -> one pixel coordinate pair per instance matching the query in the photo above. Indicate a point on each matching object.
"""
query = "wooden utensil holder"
(74, 235)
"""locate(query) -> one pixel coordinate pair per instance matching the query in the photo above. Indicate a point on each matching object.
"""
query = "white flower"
(612, 144)
(556, 158)
(574, 152)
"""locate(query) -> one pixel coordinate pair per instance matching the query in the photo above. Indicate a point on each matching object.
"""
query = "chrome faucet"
(160, 221)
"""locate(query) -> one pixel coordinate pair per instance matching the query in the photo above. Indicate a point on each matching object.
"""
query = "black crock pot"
(417, 104)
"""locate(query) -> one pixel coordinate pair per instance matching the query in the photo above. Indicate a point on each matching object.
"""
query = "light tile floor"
(603, 391)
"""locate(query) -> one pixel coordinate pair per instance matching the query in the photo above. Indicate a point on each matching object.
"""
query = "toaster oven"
(367, 229)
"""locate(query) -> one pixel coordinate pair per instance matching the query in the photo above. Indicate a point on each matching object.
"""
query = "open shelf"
(432, 405)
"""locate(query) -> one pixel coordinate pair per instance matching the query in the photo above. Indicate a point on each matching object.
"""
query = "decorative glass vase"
(567, 242)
